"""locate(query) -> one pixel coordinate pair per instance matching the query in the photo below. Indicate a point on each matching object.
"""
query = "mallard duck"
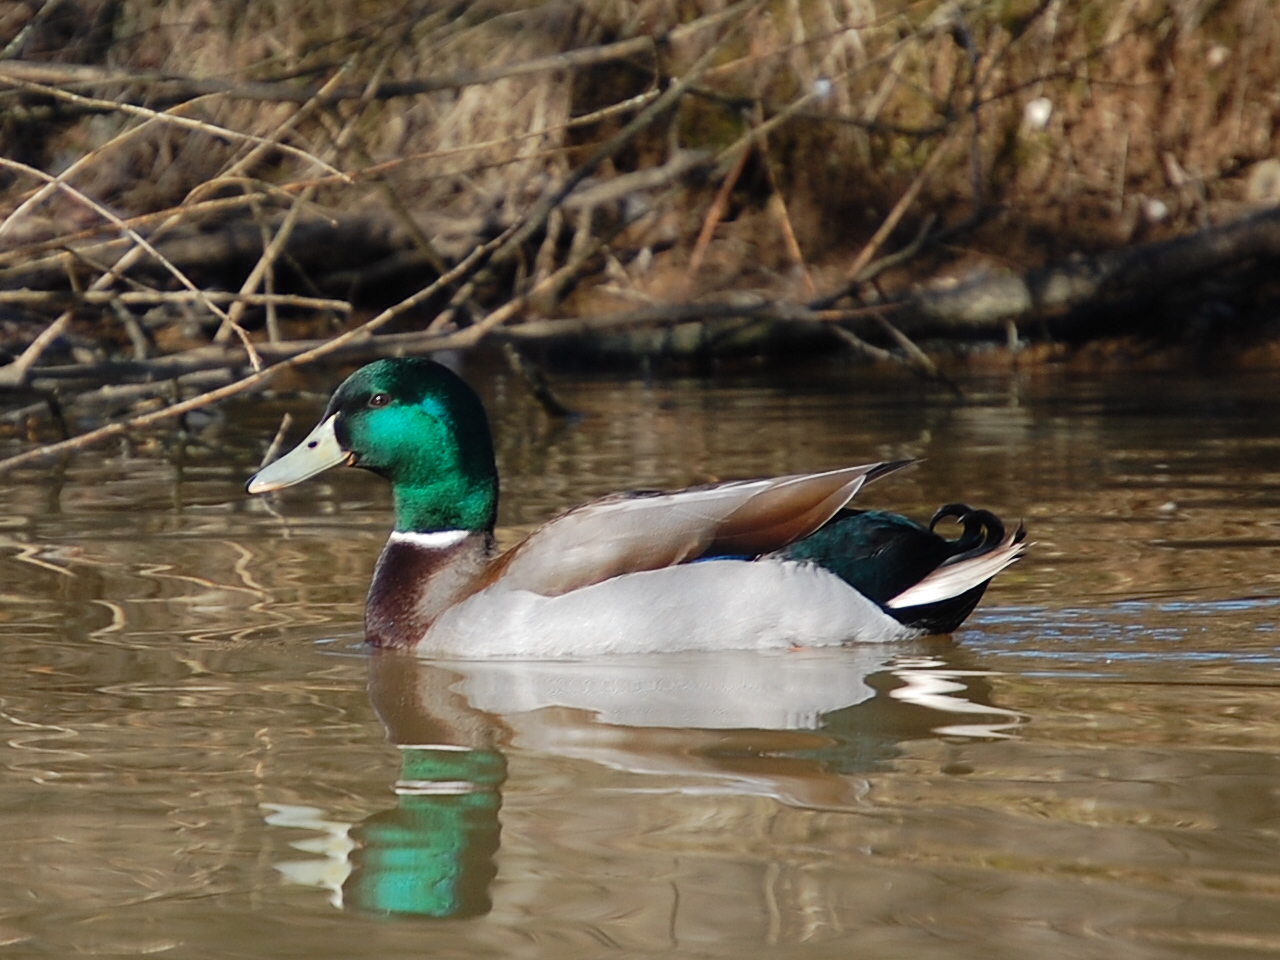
(754, 564)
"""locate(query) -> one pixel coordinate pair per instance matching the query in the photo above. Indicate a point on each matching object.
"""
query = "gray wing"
(629, 533)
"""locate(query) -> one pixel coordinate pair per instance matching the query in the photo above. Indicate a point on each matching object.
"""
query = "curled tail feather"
(988, 551)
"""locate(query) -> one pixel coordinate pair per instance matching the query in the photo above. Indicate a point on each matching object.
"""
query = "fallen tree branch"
(62, 298)
(113, 394)
(1144, 270)
(356, 345)
(985, 304)
(676, 313)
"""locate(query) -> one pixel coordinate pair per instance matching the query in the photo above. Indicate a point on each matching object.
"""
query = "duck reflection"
(802, 727)
(433, 854)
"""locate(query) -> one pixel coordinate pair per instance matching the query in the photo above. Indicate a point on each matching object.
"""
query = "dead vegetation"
(197, 195)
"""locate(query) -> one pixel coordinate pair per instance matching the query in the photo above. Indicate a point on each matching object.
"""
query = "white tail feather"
(951, 580)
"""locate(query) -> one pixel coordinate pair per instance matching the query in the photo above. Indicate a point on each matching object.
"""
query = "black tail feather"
(882, 554)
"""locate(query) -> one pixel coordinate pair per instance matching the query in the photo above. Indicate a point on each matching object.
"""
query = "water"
(201, 760)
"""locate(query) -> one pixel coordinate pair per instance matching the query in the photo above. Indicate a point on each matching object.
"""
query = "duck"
(775, 563)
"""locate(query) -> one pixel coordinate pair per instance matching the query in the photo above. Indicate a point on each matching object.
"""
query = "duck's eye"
(379, 400)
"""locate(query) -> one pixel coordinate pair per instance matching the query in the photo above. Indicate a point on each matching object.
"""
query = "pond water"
(201, 760)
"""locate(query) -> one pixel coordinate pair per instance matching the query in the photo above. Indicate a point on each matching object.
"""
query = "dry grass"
(1157, 112)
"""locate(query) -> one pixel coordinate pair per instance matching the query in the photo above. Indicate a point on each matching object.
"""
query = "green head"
(419, 425)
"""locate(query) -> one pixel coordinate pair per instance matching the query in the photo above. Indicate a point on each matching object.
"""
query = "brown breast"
(417, 578)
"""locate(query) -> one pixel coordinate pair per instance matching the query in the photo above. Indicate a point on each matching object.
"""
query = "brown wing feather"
(630, 533)
(783, 514)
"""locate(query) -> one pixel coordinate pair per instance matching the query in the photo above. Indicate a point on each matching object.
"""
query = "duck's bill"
(317, 453)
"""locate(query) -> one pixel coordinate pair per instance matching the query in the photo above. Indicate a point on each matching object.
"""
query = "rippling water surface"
(201, 760)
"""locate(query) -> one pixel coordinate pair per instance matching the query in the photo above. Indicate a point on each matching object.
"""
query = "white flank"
(951, 580)
(713, 605)
(435, 540)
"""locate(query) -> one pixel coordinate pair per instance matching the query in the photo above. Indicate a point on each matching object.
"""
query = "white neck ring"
(435, 540)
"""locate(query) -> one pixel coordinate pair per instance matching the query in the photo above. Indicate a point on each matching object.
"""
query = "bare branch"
(178, 121)
(97, 297)
(106, 214)
(260, 377)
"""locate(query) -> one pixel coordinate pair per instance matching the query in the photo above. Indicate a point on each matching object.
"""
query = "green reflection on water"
(433, 855)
